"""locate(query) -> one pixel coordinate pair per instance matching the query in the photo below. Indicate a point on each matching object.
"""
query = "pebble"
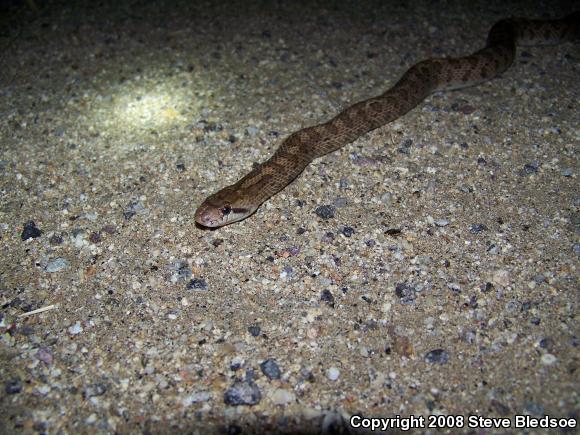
(567, 172)
(501, 277)
(56, 265)
(254, 330)
(252, 130)
(196, 397)
(548, 359)
(282, 397)
(405, 292)
(30, 231)
(197, 284)
(333, 373)
(75, 329)
(13, 386)
(347, 231)
(477, 228)
(442, 222)
(242, 393)
(326, 296)
(94, 390)
(325, 211)
(271, 369)
(437, 356)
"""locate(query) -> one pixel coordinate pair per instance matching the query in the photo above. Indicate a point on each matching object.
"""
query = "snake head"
(221, 209)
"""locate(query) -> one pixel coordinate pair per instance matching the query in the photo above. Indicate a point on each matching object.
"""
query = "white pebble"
(548, 359)
(333, 373)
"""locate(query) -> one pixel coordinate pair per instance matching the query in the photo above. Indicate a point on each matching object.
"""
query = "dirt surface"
(429, 268)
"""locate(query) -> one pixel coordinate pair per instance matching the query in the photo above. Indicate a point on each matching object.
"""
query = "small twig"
(39, 310)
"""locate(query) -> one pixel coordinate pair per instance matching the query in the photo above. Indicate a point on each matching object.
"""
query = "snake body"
(240, 200)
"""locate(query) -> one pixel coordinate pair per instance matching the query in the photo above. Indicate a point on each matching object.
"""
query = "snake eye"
(226, 209)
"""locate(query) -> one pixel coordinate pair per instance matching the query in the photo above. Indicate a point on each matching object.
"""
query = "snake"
(241, 199)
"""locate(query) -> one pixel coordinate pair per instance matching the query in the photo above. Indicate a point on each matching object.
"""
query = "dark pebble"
(405, 292)
(234, 429)
(109, 229)
(328, 237)
(180, 167)
(348, 231)
(325, 211)
(13, 386)
(370, 243)
(271, 369)
(393, 232)
(55, 239)
(326, 296)
(197, 284)
(477, 228)
(254, 330)
(30, 231)
(242, 393)
(530, 168)
(300, 231)
(95, 237)
(437, 356)
(487, 287)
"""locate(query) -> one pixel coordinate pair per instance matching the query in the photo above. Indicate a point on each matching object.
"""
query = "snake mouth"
(208, 218)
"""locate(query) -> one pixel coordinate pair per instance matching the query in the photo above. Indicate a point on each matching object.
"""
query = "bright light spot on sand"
(151, 110)
(143, 105)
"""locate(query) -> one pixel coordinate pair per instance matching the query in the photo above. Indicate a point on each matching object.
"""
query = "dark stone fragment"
(437, 356)
(180, 167)
(266, 34)
(30, 231)
(254, 330)
(481, 161)
(348, 231)
(270, 258)
(405, 292)
(13, 386)
(197, 284)
(242, 393)
(95, 237)
(129, 214)
(366, 299)
(271, 369)
(217, 242)
(55, 239)
(326, 296)
(487, 287)
(530, 168)
(325, 211)
(393, 231)
(234, 429)
(477, 228)
(464, 145)
(109, 229)
(300, 231)
(328, 237)
(370, 243)
(232, 138)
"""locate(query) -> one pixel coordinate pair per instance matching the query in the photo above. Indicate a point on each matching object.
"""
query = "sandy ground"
(429, 268)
